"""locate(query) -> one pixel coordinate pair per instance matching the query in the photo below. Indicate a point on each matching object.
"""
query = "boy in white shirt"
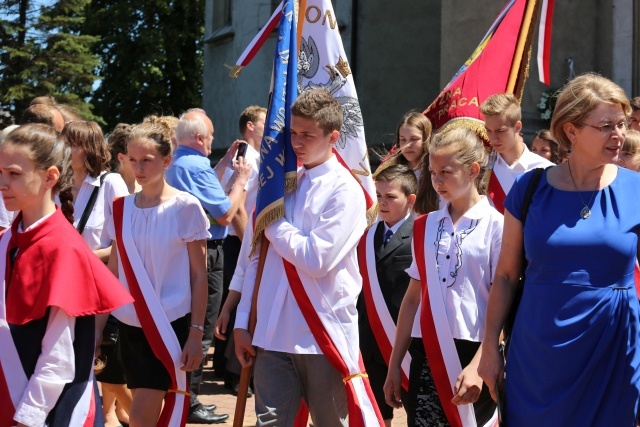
(310, 283)
(502, 121)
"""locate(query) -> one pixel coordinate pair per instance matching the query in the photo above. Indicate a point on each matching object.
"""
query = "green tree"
(43, 52)
(151, 54)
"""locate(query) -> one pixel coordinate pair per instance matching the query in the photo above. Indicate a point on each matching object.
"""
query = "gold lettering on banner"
(332, 22)
(445, 105)
(317, 11)
(262, 180)
(365, 170)
(271, 174)
(280, 159)
(313, 15)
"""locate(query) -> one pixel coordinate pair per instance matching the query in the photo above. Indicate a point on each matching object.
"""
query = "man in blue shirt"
(191, 171)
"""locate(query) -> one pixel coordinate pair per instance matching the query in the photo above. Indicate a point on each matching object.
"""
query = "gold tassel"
(235, 71)
(372, 215)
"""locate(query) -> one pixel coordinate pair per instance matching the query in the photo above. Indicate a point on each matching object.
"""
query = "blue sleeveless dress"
(574, 358)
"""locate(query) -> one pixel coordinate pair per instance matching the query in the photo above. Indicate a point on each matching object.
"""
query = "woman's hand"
(491, 368)
(468, 386)
(192, 351)
(392, 387)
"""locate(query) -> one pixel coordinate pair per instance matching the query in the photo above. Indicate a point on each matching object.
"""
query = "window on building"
(221, 14)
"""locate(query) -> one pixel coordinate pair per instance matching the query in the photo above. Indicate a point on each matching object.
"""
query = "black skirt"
(142, 368)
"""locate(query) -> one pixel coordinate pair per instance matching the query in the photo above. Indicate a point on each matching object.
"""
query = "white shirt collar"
(397, 225)
(35, 224)
(477, 211)
(94, 180)
(526, 161)
(321, 169)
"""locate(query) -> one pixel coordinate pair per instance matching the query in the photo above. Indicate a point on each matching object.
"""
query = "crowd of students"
(351, 323)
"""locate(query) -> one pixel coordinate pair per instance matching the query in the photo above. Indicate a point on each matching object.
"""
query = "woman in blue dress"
(573, 358)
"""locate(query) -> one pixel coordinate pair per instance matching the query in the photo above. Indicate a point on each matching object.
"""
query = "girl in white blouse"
(159, 255)
(455, 252)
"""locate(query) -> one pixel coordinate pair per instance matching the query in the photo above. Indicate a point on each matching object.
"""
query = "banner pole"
(245, 373)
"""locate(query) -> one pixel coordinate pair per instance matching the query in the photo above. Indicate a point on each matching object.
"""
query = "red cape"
(55, 267)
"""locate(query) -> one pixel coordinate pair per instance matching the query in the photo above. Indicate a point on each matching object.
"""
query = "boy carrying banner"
(307, 321)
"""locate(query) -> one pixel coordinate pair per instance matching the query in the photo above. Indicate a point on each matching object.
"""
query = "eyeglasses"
(607, 129)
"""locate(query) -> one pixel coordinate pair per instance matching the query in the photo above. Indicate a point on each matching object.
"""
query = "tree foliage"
(151, 54)
(44, 52)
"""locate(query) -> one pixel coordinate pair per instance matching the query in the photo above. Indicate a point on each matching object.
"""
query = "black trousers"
(231, 248)
(215, 261)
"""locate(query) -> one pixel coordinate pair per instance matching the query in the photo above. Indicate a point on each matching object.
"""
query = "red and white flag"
(544, 41)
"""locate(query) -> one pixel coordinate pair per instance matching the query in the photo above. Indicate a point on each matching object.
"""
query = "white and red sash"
(436, 334)
(13, 380)
(342, 354)
(380, 320)
(496, 188)
(155, 324)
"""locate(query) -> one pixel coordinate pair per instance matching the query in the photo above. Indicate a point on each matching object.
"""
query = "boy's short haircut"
(500, 103)
(320, 106)
(635, 103)
(402, 174)
(250, 114)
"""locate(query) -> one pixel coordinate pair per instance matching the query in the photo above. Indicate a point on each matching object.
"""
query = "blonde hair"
(467, 146)
(502, 103)
(157, 133)
(632, 142)
(250, 114)
(580, 97)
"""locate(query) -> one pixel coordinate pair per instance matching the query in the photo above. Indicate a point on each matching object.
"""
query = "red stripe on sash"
(6, 404)
(496, 193)
(149, 327)
(636, 278)
(91, 415)
(329, 349)
(429, 335)
(379, 333)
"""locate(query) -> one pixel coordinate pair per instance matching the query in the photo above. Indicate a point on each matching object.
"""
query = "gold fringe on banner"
(290, 181)
(475, 125)
(269, 215)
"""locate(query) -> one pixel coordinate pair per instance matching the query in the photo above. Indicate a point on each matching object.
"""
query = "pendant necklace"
(585, 212)
(146, 216)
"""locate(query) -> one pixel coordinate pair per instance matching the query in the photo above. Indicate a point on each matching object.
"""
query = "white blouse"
(94, 231)
(466, 259)
(161, 234)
